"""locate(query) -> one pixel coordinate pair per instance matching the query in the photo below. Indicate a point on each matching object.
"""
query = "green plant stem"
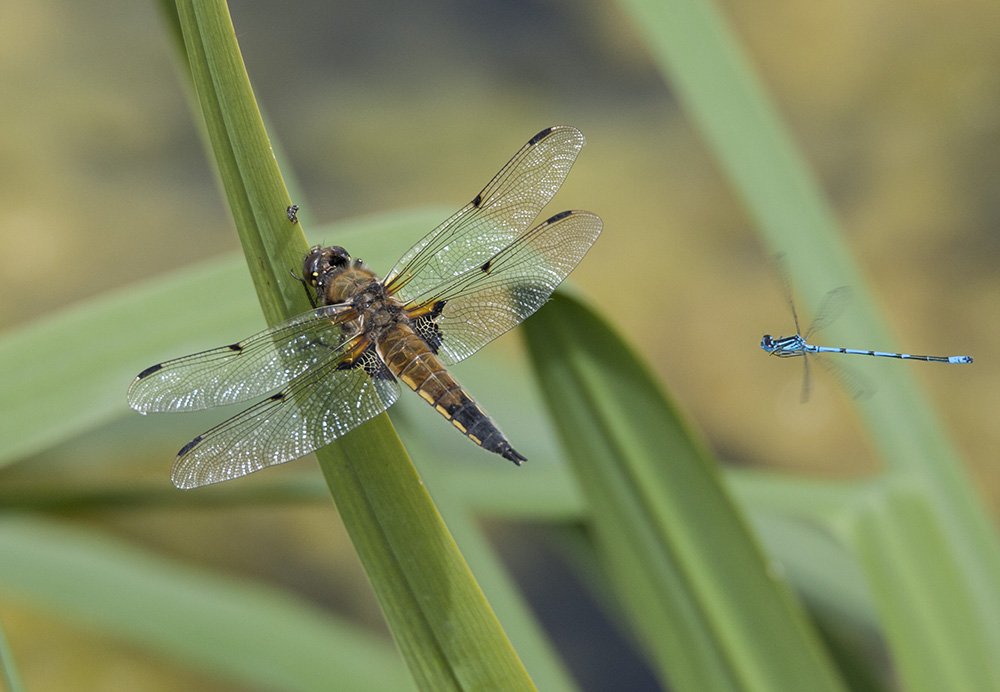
(443, 625)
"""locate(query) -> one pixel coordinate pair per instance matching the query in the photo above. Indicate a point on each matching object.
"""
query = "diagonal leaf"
(11, 677)
(114, 337)
(245, 160)
(254, 634)
(702, 59)
(707, 608)
(443, 625)
(547, 671)
(897, 533)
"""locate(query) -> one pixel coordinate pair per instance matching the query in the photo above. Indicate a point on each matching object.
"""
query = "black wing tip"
(149, 371)
(190, 445)
(541, 135)
(595, 219)
(133, 398)
(549, 130)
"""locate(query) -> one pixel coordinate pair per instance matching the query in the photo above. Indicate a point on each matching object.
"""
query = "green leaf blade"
(701, 57)
(449, 636)
(897, 534)
(699, 592)
(242, 631)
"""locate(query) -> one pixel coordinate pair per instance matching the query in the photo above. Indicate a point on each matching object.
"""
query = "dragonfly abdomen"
(410, 359)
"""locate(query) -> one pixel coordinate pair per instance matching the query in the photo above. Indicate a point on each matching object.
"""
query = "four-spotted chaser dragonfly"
(474, 277)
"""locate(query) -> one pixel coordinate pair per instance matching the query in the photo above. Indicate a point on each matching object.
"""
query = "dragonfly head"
(767, 343)
(322, 261)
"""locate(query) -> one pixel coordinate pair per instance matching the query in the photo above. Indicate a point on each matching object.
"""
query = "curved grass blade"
(443, 625)
(253, 634)
(11, 678)
(704, 62)
(699, 592)
(897, 532)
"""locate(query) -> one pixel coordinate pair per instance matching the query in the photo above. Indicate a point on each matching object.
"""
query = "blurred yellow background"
(384, 105)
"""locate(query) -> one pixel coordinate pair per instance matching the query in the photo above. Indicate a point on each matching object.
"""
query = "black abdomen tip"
(508, 452)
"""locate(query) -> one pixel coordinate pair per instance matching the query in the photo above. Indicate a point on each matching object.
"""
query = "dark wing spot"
(280, 396)
(190, 445)
(540, 136)
(149, 371)
(477, 201)
(486, 265)
(560, 215)
(235, 347)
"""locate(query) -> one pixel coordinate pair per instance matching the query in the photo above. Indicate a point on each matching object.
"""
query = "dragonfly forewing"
(494, 218)
(241, 371)
(316, 408)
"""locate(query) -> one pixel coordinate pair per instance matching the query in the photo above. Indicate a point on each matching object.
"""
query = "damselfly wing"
(831, 307)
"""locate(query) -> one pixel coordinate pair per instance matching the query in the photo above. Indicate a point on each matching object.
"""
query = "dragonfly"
(332, 368)
(830, 308)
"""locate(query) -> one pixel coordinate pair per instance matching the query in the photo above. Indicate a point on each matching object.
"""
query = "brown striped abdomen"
(411, 360)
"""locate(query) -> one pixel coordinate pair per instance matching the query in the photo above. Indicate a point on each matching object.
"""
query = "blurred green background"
(384, 105)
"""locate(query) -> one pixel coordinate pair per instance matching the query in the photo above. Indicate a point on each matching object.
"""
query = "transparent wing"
(493, 219)
(315, 408)
(242, 371)
(806, 380)
(855, 384)
(472, 309)
(830, 308)
(781, 263)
